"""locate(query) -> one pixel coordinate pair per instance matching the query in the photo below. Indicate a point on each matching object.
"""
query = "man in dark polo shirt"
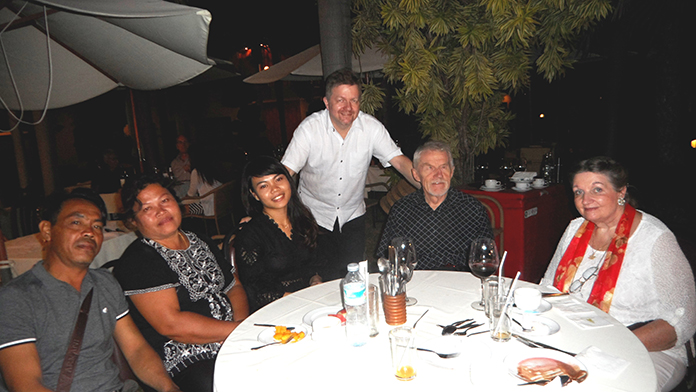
(440, 221)
(39, 310)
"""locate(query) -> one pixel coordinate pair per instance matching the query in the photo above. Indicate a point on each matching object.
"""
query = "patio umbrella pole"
(135, 131)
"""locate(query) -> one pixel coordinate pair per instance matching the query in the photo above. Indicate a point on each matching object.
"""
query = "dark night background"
(630, 96)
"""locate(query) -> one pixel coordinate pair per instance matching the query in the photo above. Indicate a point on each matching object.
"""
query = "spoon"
(472, 326)
(522, 326)
(446, 356)
(289, 338)
(450, 329)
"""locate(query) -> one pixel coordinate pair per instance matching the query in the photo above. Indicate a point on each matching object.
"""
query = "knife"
(545, 295)
(542, 345)
(273, 326)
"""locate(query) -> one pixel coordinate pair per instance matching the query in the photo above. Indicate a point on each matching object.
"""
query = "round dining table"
(614, 358)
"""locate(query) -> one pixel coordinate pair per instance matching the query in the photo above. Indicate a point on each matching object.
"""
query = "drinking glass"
(405, 253)
(483, 262)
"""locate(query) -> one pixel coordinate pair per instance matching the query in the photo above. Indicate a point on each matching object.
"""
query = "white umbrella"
(95, 46)
(307, 65)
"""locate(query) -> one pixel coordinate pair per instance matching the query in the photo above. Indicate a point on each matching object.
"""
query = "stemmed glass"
(405, 257)
(483, 262)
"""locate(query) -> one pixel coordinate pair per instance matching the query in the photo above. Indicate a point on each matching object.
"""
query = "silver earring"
(622, 201)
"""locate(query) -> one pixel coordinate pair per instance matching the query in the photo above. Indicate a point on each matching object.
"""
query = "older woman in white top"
(629, 264)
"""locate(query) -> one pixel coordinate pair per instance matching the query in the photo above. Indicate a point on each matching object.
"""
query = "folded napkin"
(597, 361)
(578, 313)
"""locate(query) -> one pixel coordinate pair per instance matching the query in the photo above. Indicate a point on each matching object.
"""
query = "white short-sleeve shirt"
(333, 169)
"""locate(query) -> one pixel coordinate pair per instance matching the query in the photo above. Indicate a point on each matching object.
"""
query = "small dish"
(544, 307)
(239, 346)
(541, 326)
(540, 187)
(312, 315)
(512, 360)
(485, 189)
(266, 336)
(521, 190)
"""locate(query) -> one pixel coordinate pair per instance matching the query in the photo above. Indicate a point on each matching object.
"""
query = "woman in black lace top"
(275, 251)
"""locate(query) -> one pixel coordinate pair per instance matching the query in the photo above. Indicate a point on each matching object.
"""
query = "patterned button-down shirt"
(442, 237)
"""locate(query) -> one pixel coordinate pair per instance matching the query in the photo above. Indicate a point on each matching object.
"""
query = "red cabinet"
(533, 223)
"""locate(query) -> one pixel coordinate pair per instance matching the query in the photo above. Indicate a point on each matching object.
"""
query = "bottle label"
(354, 293)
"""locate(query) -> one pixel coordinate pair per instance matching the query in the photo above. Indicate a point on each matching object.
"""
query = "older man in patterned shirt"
(441, 221)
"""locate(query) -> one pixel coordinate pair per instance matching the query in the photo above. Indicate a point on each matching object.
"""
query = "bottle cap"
(352, 267)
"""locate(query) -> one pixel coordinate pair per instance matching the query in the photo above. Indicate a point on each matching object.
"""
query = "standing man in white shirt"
(332, 149)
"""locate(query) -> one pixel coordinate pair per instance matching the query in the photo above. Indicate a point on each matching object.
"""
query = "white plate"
(540, 187)
(542, 326)
(512, 360)
(470, 349)
(240, 346)
(521, 190)
(266, 336)
(312, 315)
(485, 189)
(544, 307)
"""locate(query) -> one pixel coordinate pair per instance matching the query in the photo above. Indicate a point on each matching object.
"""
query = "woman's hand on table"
(315, 280)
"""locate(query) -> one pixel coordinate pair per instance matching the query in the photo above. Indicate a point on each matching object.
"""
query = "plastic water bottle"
(355, 295)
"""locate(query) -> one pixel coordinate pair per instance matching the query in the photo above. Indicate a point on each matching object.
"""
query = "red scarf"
(603, 289)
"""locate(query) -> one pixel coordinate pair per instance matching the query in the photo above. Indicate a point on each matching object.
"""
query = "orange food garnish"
(282, 334)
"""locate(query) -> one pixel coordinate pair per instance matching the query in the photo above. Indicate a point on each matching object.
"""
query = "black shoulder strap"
(68, 370)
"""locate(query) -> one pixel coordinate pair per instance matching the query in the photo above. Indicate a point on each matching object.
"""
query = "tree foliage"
(453, 60)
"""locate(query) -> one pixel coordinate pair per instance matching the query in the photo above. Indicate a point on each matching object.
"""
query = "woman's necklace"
(595, 251)
(285, 226)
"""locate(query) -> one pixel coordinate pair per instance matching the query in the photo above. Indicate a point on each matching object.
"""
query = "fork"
(441, 355)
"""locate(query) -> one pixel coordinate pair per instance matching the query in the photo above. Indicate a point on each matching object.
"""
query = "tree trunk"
(334, 35)
(465, 162)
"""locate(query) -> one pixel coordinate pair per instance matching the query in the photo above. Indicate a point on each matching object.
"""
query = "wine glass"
(483, 262)
(406, 260)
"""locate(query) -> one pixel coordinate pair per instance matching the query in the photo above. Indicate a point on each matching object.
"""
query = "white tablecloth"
(26, 251)
(312, 365)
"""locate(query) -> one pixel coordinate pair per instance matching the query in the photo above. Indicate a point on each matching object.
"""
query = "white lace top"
(655, 282)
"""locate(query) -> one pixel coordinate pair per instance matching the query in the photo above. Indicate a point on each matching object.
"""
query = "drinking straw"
(508, 301)
(500, 269)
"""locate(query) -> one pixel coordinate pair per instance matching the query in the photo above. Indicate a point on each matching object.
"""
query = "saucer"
(521, 190)
(540, 187)
(498, 189)
(541, 326)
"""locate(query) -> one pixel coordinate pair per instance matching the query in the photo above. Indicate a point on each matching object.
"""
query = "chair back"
(401, 189)
(223, 199)
(228, 247)
(497, 220)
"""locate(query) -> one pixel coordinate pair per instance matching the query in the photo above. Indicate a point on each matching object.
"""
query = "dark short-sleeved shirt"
(201, 277)
(271, 264)
(40, 309)
(442, 236)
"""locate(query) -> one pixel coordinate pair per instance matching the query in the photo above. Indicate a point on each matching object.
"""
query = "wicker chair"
(223, 196)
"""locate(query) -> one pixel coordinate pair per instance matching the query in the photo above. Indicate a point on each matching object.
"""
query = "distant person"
(332, 149)
(276, 251)
(40, 309)
(182, 292)
(109, 172)
(207, 174)
(442, 222)
(181, 167)
(628, 264)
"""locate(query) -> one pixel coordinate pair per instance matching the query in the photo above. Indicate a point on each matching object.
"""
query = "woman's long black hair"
(203, 160)
(301, 218)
